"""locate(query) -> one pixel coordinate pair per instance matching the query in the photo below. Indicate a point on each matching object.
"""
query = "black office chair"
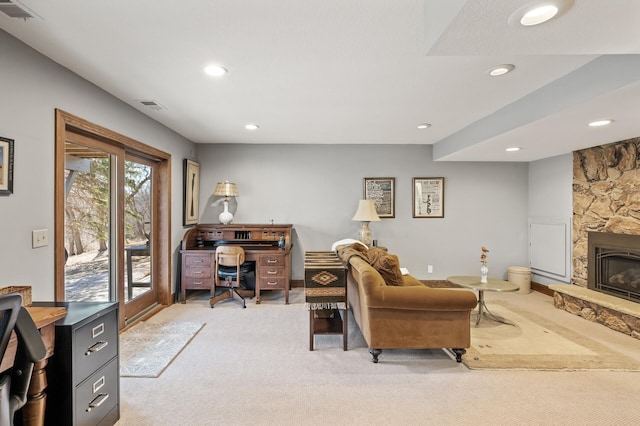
(14, 383)
(231, 270)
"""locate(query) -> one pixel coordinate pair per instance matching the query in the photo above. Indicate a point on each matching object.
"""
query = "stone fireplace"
(606, 237)
(614, 264)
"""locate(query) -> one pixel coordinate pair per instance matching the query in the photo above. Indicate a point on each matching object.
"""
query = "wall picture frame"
(6, 166)
(191, 206)
(428, 197)
(382, 191)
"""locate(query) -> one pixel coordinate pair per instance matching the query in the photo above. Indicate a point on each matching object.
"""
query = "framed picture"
(6, 166)
(382, 191)
(428, 197)
(191, 193)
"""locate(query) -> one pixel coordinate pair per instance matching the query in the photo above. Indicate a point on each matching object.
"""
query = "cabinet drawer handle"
(197, 272)
(197, 261)
(97, 401)
(272, 260)
(272, 283)
(272, 272)
(197, 283)
(96, 348)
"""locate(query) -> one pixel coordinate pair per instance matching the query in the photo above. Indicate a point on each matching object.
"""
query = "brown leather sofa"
(398, 311)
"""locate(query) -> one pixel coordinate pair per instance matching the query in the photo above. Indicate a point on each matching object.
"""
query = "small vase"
(483, 274)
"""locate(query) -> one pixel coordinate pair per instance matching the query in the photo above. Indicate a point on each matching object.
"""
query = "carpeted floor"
(253, 367)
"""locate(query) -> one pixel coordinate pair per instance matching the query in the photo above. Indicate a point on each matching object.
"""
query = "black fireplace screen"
(614, 264)
(617, 273)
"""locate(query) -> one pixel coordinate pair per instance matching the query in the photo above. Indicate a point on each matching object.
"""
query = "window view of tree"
(87, 226)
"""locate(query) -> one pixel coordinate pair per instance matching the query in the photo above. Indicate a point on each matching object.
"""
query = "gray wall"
(551, 196)
(314, 187)
(317, 187)
(31, 87)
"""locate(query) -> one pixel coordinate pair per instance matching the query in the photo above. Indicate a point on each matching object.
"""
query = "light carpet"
(148, 348)
(537, 343)
(253, 366)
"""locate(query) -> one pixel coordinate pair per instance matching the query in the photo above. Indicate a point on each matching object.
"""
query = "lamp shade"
(366, 211)
(226, 189)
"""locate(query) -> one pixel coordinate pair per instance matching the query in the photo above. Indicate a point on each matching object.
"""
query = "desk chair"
(14, 383)
(231, 269)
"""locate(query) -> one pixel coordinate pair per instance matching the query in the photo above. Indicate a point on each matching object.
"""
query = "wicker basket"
(23, 290)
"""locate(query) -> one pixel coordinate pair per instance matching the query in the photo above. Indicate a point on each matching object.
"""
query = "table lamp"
(366, 213)
(226, 190)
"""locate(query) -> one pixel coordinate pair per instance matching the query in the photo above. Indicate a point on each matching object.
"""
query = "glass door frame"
(68, 126)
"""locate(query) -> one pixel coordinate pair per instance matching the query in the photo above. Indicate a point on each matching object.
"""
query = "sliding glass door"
(111, 224)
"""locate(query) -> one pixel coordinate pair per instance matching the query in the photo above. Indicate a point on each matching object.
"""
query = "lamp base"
(226, 216)
(364, 234)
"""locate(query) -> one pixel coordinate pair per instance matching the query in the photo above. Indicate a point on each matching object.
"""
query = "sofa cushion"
(387, 265)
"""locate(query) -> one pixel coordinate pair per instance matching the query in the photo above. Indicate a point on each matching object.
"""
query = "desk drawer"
(278, 283)
(272, 260)
(94, 344)
(197, 283)
(198, 272)
(97, 395)
(197, 260)
(271, 272)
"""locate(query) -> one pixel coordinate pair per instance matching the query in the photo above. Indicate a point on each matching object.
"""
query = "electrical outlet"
(430, 269)
(40, 238)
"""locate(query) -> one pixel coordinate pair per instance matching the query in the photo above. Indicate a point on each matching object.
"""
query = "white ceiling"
(358, 71)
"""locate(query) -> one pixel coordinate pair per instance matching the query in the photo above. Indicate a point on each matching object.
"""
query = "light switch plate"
(40, 238)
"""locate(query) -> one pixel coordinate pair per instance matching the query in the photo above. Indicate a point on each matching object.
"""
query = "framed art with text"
(382, 191)
(191, 192)
(428, 197)
(6, 166)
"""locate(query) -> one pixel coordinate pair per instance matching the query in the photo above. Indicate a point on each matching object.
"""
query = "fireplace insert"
(614, 264)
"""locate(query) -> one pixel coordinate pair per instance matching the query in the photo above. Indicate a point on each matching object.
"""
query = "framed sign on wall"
(428, 197)
(6, 166)
(382, 191)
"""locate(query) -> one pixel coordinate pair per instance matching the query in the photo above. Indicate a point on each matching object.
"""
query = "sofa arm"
(422, 298)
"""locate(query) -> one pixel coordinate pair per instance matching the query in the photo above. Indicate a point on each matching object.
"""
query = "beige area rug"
(148, 348)
(536, 343)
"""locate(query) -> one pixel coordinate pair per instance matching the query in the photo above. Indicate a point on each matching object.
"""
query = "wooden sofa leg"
(459, 352)
(375, 353)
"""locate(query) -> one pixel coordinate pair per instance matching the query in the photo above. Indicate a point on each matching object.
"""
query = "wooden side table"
(325, 287)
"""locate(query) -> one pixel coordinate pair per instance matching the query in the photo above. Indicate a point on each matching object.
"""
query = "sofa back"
(365, 274)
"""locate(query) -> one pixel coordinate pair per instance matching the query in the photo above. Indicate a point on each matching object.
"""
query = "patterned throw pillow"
(387, 265)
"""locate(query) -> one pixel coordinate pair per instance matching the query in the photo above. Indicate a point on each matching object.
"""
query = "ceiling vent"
(15, 9)
(153, 105)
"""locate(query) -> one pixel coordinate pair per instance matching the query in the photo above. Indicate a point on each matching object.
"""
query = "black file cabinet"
(83, 374)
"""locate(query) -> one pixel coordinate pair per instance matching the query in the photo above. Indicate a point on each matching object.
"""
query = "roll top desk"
(269, 246)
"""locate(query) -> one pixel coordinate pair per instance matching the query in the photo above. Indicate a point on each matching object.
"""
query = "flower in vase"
(483, 255)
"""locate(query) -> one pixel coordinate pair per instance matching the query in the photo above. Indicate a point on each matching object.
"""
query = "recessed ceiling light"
(215, 70)
(539, 15)
(251, 126)
(513, 149)
(424, 125)
(538, 12)
(599, 123)
(501, 70)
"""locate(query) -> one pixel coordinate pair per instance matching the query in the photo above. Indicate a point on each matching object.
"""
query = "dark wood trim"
(297, 283)
(541, 289)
